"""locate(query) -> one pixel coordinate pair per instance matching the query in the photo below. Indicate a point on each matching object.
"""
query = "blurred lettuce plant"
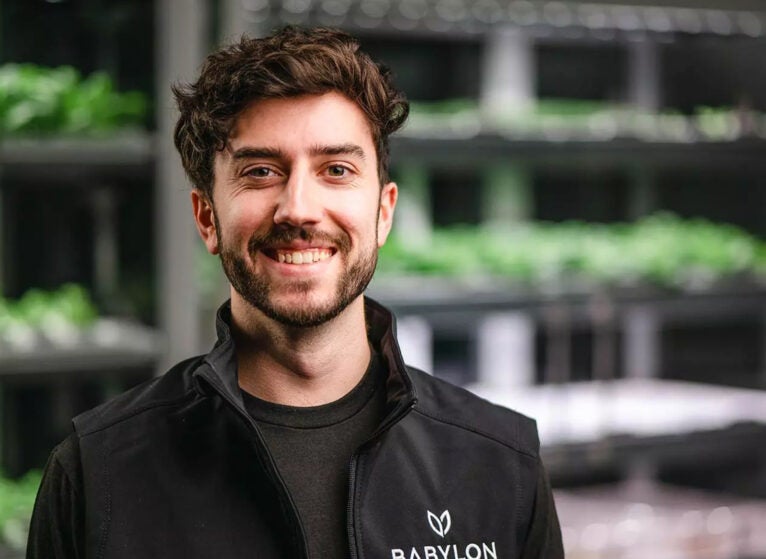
(58, 315)
(35, 100)
(17, 499)
(558, 119)
(662, 250)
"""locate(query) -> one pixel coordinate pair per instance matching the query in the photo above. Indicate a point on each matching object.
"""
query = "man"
(302, 433)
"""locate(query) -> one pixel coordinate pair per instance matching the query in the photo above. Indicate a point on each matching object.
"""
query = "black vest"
(177, 468)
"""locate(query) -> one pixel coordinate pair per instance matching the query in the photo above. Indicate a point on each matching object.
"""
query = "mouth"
(299, 257)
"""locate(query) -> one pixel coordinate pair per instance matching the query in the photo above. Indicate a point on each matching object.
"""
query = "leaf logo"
(440, 524)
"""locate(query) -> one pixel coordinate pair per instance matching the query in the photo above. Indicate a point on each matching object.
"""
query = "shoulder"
(63, 468)
(174, 387)
(455, 406)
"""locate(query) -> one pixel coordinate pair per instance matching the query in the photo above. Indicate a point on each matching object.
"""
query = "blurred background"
(580, 235)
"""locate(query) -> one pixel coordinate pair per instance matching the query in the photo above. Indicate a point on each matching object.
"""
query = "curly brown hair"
(294, 61)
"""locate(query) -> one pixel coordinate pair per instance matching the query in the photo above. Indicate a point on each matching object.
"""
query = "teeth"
(303, 256)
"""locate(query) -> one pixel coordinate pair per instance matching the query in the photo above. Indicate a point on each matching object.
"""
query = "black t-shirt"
(312, 448)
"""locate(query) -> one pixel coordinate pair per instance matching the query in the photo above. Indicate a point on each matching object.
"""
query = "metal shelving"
(445, 300)
(108, 346)
(603, 21)
(119, 150)
(82, 163)
(504, 321)
(110, 351)
(444, 151)
(100, 172)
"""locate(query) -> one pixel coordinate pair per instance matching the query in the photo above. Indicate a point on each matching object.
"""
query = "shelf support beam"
(414, 221)
(237, 20)
(642, 342)
(508, 78)
(507, 195)
(506, 350)
(105, 250)
(642, 196)
(416, 342)
(644, 74)
(181, 44)
(508, 86)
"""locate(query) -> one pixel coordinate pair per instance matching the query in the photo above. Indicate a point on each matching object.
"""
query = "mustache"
(282, 234)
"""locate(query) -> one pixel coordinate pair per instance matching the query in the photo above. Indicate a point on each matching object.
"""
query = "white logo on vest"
(440, 524)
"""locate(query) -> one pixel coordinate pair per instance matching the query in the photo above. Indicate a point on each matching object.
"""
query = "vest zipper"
(392, 419)
(272, 470)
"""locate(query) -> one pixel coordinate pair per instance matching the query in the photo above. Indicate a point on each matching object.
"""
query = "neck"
(300, 366)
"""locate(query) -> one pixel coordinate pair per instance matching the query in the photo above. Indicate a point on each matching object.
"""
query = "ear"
(205, 220)
(388, 197)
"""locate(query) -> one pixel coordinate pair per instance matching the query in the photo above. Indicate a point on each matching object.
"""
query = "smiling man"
(302, 433)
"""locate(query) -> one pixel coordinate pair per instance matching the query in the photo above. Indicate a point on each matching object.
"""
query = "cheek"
(358, 219)
(245, 218)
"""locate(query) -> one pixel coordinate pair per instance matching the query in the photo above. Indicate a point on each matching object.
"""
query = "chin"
(302, 316)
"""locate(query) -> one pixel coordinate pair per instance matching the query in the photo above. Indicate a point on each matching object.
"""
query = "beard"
(257, 290)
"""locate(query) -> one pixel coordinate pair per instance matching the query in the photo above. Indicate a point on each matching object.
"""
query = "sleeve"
(56, 530)
(544, 536)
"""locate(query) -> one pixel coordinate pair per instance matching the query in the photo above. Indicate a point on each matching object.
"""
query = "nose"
(299, 203)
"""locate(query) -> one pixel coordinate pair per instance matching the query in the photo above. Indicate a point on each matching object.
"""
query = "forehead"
(294, 124)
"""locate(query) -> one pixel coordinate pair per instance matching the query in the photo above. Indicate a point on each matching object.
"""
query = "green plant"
(582, 117)
(35, 100)
(17, 498)
(662, 249)
(65, 309)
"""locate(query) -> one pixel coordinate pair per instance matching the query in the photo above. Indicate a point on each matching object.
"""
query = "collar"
(219, 367)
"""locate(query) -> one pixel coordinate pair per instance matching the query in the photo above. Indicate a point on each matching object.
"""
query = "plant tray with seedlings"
(46, 318)
(568, 119)
(53, 331)
(658, 251)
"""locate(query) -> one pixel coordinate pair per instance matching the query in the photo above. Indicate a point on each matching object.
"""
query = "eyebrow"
(255, 153)
(340, 149)
(276, 153)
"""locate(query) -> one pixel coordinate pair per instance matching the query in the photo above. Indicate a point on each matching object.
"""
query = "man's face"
(298, 213)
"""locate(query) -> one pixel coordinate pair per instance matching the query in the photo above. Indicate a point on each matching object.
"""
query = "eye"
(261, 172)
(337, 171)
